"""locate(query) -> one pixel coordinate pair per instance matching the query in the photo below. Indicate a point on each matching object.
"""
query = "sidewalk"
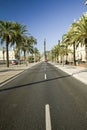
(79, 73)
(13, 70)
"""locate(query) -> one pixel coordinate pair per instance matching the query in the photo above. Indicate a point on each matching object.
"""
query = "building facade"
(3, 55)
(80, 54)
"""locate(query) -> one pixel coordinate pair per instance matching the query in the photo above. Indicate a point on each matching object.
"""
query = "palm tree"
(67, 40)
(11, 33)
(27, 45)
(20, 36)
(30, 43)
(6, 34)
(17, 53)
(55, 52)
(3, 52)
(36, 54)
(71, 40)
(80, 32)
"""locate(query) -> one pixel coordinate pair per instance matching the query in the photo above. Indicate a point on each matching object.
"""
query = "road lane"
(67, 101)
(22, 101)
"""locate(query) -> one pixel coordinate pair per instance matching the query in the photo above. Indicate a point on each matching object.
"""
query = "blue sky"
(48, 19)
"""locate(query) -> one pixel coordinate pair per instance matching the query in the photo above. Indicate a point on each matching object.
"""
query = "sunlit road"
(43, 98)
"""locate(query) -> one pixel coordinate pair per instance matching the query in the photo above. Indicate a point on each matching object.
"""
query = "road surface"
(43, 98)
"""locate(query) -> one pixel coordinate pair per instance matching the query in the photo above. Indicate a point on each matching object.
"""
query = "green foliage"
(14, 33)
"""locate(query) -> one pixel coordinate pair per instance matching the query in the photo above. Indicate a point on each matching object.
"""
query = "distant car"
(14, 62)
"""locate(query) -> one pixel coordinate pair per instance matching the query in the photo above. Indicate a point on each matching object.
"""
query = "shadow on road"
(33, 83)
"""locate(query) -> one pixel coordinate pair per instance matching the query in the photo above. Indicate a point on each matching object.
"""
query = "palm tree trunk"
(7, 54)
(66, 56)
(74, 53)
(3, 52)
(86, 52)
(24, 55)
(3, 57)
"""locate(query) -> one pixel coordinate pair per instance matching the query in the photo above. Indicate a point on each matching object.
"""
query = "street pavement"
(43, 94)
(79, 73)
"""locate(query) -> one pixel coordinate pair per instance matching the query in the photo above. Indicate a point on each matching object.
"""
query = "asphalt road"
(43, 98)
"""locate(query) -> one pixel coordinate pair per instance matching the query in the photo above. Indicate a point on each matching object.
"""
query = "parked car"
(14, 62)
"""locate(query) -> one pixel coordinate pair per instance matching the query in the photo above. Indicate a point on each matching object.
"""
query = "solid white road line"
(47, 117)
(45, 76)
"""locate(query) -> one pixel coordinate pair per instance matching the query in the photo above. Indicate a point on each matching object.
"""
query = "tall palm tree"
(27, 45)
(24, 47)
(6, 34)
(17, 53)
(20, 36)
(11, 33)
(55, 52)
(72, 40)
(31, 42)
(80, 32)
(36, 54)
(69, 42)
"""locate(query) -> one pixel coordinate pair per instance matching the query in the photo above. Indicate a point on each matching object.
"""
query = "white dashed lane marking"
(48, 117)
